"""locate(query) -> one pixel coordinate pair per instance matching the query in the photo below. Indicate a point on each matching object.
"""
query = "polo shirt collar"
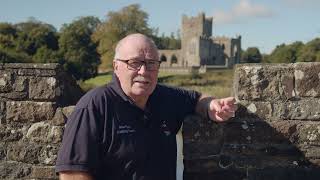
(115, 85)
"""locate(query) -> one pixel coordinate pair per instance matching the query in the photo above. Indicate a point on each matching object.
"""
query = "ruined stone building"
(199, 48)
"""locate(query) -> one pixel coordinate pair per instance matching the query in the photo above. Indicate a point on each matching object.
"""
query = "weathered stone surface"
(67, 111)
(14, 95)
(9, 133)
(59, 118)
(20, 84)
(28, 111)
(277, 173)
(43, 132)
(306, 109)
(219, 174)
(310, 152)
(14, 170)
(259, 111)
(43, 88)
(307, 79)
(50, 66)
(309, 133)
(2, 112)
(6, 81)
(201, 136)
(37, 72)
(48, 155)
(3, 150)
(254, 133)
(45, 172)
(23, 152)
(268, 82)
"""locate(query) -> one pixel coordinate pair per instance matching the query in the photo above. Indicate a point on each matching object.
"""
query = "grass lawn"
(217, 83)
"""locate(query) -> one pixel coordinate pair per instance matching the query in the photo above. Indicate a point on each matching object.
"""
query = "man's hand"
(221, 110)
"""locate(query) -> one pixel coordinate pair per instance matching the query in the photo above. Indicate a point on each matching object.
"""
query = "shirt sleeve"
(80, 146)
(182, 103)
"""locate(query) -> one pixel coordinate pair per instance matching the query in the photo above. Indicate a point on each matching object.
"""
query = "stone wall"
(276, 131)
(33, 107)
(275, 134)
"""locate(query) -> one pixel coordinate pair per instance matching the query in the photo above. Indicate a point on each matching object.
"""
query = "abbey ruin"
(200, 49)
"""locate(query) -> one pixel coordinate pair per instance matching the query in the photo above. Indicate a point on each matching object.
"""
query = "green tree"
(251, 55)
(285, 53)
(77, 48)
(310, 51)
(34, 34)
(130, 19)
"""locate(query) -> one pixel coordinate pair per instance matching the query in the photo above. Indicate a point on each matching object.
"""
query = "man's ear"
(115, 66)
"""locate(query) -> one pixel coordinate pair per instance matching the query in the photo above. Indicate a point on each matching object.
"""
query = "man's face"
(136, 83)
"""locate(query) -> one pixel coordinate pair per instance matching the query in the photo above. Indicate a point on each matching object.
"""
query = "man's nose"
(143, 69)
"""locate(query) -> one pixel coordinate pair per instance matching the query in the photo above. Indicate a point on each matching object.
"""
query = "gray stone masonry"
(35, 100)
(275, 134)
(276, 131)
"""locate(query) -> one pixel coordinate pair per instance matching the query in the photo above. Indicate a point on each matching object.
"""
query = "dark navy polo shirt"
(110, 137)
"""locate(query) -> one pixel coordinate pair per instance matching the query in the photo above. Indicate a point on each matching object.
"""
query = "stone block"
(59, 118)
(10, 133)
(310, 151)
(277, 173)
(43, 88)
(45, 66)
(307, 79)
(308, 133)
(268, 82)
(254, 111)
(20, 84)
(48, 155)
(6, 81)
(28, 111)
(24, 152)
(43, 132)
(14, 170)
(2, 112)
(219, 174)
(261, 149)
(14, 95)
(67, 111)
(305, 109)
(278, 132)
(3, 151)
(43, 172)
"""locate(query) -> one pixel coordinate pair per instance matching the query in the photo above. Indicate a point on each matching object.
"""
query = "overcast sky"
(261, 23)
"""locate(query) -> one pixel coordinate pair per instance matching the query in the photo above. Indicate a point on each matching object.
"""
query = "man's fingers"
(229, 101)
(215, 105)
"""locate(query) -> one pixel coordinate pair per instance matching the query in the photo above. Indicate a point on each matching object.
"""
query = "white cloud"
(242, 11)
(302, 3)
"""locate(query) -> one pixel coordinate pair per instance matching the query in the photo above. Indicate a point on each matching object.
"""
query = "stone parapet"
(276, 131)
(35, 100)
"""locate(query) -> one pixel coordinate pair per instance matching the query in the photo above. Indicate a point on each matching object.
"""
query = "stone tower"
(200, 49)
(192, 29)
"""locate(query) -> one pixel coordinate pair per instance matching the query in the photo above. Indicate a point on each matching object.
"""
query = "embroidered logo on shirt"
(125, 129)
(165, 128)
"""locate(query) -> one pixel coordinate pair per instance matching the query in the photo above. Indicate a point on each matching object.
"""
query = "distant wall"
(33, 109)
(275, 134)
(276, 131)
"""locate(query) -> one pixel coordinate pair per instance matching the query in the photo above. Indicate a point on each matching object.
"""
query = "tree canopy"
(128, 20)
(251, 55)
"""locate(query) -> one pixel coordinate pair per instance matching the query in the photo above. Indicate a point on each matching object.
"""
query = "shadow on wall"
(249, 147)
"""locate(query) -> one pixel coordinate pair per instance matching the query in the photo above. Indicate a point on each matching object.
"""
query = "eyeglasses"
(135, 65)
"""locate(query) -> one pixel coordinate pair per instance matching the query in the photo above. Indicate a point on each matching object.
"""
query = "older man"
(126, 130)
